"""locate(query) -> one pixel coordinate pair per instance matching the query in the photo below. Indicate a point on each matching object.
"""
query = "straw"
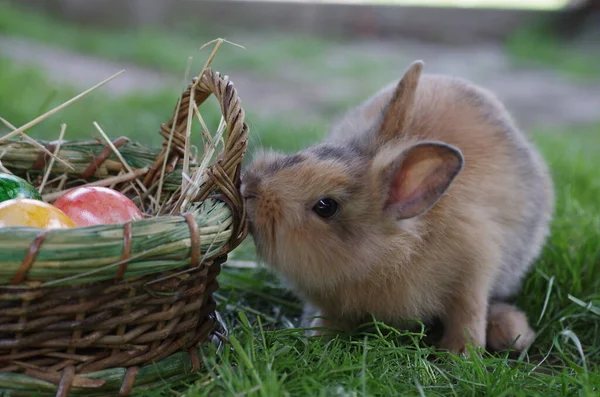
(63, 128)
(35, 143)
(57, 109)
(103, 182)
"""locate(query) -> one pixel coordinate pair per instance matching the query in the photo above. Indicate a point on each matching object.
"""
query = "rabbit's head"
(337, 212)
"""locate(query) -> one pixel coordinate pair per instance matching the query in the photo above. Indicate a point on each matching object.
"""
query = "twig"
(35, 121)
(224, 41)
(169, 143)
(185, 182)
(188, 132)
(63, 128)
(63, 181)
(121, 172)
(104, 182)
(112, 147)
(3, 169)
(192, 104)
(194, 181)
(211, 57)
(59, 179)
(205, 130)
(118, 154)
(199, 176)
(37, 144)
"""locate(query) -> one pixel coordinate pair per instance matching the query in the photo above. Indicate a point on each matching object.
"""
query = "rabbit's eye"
(326, 208)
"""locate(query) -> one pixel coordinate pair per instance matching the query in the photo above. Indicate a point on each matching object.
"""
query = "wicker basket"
(94, 311)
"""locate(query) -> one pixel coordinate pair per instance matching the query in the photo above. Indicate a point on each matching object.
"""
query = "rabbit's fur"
(443, 206)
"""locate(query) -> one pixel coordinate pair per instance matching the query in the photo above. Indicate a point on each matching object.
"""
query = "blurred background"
(304, 62)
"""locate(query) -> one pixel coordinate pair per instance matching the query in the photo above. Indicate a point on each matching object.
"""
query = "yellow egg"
(33, 213)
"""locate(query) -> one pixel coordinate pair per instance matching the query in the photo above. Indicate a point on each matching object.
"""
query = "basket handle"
(236, 139)
(224, 174)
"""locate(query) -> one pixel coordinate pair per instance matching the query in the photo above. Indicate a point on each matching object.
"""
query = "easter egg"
(33, 213)
(13, 187)
(94, 205)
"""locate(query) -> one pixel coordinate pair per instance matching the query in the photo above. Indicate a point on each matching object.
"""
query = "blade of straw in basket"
(209, 149)
(63, 128)
(183, 190)
(62, 180)
(191, 105)
(36, 144)
(104, 182)
(139, 199)
(224, 41)
(185, 171)
(4, 151)
(119, 156)
(2, 168)
(188, 132)
(170, 141)
(199, 177)
(60, 107)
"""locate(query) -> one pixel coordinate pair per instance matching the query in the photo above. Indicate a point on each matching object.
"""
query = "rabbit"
(425, 202)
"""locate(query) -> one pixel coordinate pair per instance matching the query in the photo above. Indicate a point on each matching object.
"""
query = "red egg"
(94, 205)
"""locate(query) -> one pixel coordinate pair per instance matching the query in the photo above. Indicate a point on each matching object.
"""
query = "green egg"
(13, 187)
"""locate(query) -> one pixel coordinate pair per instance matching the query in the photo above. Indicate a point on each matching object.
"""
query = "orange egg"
(33, 213)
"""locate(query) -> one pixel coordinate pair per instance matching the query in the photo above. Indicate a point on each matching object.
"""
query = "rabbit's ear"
(417, 178)
(397, 113)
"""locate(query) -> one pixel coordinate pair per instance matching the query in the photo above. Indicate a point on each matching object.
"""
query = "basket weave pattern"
(67, 335)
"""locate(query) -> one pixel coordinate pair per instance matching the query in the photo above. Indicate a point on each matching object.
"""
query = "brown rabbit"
(426, 202)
